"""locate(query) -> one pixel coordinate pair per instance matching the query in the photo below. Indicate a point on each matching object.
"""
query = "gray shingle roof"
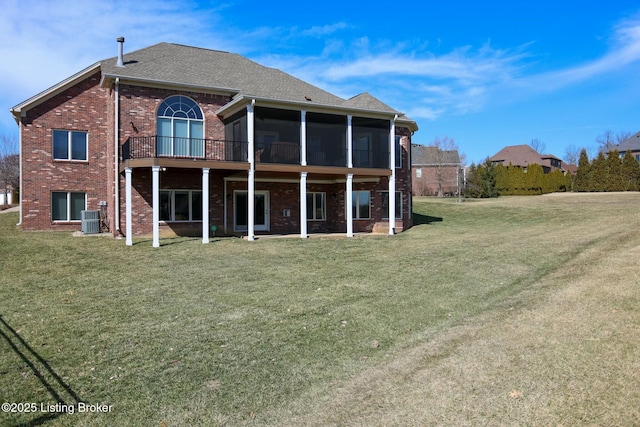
(229, 72)
(422, 155)
(217, 71)
(630, 144)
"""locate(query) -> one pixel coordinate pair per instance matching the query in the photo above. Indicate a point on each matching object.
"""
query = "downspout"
(20, 160)
(392, 178)
(116, 142)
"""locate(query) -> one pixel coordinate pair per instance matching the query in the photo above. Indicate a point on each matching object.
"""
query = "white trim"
(69, 157)
(381, 192)
(350, 142)
(349, 204)
(251, 185)
(358, 205)
(303, 138)
(267, 217)
(68, 203)
(324, 205)
(205, 205)
(303, 205)
(392, 178)
(21, 109)
(128, 217)
(155, 186)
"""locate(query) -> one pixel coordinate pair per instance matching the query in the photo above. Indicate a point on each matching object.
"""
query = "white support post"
(349, 141)
(128, 216)
(392, 177)
(349, 203)
(251, 184)
(303, 205)
(303, 138)
(155, 191)
(205, 205)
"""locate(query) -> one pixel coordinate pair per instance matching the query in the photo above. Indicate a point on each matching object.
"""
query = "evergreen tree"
(516, 180)
(615, 181)
(630, 172)
(583, 175)
(488, 180)
(599, 173)
(534, 178)
(502, 180)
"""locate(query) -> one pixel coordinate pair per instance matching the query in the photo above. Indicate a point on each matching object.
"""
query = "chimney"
(120, 41)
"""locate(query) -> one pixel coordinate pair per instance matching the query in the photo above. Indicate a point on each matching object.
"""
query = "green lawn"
(281, 331)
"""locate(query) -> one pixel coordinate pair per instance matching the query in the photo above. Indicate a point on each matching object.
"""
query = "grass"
(516, 311)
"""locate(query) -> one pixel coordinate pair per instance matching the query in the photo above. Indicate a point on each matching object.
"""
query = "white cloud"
(625, 51)
(324, 30)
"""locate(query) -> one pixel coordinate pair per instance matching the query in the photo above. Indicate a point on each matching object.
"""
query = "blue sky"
(487, 74)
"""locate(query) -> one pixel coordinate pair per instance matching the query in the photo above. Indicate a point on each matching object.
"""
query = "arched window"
(180, 127)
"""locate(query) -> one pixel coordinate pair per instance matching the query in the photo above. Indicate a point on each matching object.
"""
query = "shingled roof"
(422, 155)
(630, 144)
(222, 72)
(214, 70)
(522, 156)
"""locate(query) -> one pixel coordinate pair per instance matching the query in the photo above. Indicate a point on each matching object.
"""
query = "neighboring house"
(6, 197)
(523, 156)
(172, 139)
(434, 172)
(631, 144)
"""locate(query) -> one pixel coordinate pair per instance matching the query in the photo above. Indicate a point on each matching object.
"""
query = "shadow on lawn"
(419, 219)
(41, 369)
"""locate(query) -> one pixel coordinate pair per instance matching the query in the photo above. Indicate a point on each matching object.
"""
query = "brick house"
(173, 140)
(631, 144)
(523, 156)
(435, 172)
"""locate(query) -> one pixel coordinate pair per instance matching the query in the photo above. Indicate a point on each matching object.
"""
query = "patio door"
(241, 211)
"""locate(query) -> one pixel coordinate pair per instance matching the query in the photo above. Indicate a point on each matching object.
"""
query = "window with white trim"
(361, 204)
(67, 205)
(180, 128)
(180, 205)
(70, 145)
(316, 206)
(398, 152)
(385, 204)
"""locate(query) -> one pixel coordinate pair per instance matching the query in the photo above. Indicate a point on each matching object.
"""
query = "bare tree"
(9, 164)
(608, 141)
(537, 145)
(447, 162)
(571, 154)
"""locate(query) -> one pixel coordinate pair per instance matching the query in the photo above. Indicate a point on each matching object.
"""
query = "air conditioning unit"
(90, 222)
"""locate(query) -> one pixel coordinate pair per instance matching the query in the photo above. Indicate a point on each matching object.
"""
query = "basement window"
(180, 205)
(67, 206)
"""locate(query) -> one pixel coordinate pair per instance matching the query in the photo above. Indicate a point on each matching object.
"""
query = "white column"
(392, 178)
(303, 138)
(205, 205)
(155, 191)
(128, 226)
(251, 185)
(349, 203)
(303, 205)
(349, 141)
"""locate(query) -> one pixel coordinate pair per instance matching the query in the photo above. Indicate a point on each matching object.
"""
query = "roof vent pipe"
(120, 62)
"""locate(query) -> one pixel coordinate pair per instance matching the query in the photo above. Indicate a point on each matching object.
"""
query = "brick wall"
(82, 107)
